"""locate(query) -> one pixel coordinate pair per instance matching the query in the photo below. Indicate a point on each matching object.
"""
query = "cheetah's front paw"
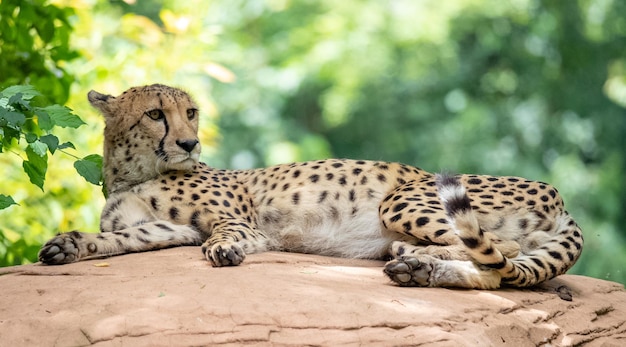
(62, 249)
(409, 271)
(224, 254)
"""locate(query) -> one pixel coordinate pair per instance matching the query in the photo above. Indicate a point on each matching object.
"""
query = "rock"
(175, 298)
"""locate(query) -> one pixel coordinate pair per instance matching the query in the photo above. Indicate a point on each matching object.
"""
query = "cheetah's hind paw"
(409, 271)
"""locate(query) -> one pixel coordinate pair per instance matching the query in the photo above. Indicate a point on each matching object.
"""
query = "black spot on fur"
(163, 227)
(539, 262)
(173, 213)
(474, 181)
(440, 232)
(470, 242)
(399, 207)
(555, 255)
(343, 181)
(322, 196)
(421, 221)
(488, 251)
(497, 266)
(523, 223)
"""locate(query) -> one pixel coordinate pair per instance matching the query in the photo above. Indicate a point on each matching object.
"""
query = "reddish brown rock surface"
(175, 298)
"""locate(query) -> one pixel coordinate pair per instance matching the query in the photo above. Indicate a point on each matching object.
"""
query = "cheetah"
(467, 231)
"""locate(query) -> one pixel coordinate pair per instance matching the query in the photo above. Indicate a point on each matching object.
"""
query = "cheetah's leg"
(437, 266)
(509, 249)
(127, 226)
(74, 246)
(230, 240)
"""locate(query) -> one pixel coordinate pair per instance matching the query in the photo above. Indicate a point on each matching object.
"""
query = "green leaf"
(65, 145)
(39, 147)
(28, 92)
(6, 201)
(14, 119)
(35, 167)
(8, 134)
(43, 119)
(51, 141)
(19, 103)
(63, 116)
(30, 137)
(90, 167)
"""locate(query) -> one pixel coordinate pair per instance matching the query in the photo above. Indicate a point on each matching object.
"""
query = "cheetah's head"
(149, 130)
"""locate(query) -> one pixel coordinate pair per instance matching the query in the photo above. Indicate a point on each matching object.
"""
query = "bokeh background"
(522, 87)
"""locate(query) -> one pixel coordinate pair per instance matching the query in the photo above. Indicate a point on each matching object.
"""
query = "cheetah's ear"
(104, 103)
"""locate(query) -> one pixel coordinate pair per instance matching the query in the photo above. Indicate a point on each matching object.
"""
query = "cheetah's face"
(153, 127)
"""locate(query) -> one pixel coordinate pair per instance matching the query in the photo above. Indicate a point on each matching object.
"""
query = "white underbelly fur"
(320, 230)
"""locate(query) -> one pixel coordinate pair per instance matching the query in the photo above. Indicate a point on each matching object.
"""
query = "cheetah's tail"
(525, 270)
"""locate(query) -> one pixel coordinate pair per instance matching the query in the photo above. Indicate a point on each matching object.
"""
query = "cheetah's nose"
(187, 145)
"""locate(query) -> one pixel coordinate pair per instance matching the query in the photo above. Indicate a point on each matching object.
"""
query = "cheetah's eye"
(155, 114)
(192, 113)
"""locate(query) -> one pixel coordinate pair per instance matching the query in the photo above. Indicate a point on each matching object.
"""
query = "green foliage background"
(526, 88)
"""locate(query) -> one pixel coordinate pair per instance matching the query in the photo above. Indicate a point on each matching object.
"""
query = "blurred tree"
(34, 45)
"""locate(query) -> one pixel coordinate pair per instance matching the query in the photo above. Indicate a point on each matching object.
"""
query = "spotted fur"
(456, 231)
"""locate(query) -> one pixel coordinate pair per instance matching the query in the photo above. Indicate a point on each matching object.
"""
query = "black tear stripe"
(160, 151)
(134, 125)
